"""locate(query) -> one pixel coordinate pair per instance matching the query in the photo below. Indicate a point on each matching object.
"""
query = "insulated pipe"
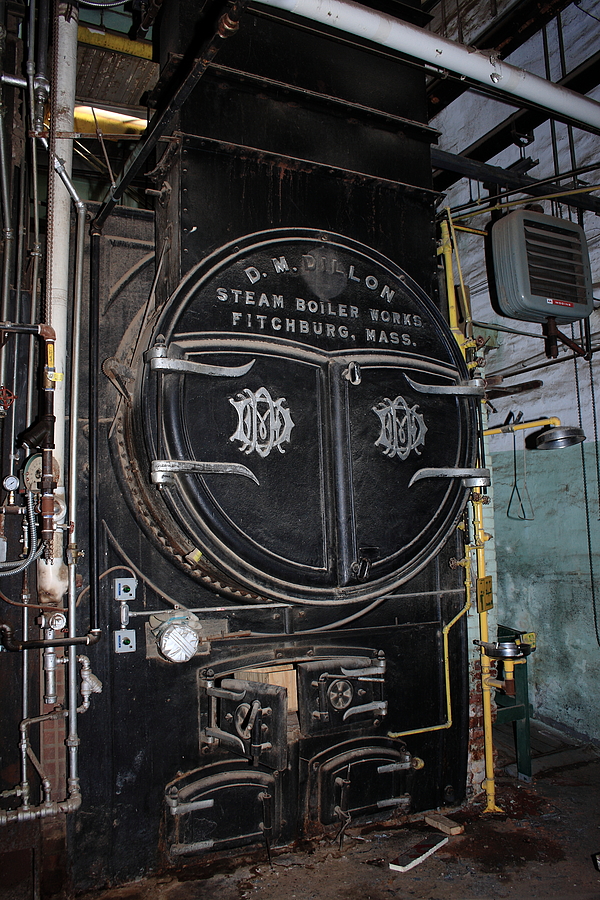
(52, 573)
(484, 68)
(8, 232)
(59, 212)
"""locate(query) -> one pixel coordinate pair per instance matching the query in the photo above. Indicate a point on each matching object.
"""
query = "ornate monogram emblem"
(402, 427)
(263, 423)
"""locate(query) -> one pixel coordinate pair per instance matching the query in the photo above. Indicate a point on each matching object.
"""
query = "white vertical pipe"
(52, 575)
(63, 103)
(483, 67)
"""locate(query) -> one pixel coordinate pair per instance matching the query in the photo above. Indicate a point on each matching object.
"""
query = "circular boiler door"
(303, 417)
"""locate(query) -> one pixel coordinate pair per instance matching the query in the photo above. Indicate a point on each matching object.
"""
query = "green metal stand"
(516, 709)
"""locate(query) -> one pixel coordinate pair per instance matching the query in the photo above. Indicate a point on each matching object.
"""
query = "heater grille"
(542, 268)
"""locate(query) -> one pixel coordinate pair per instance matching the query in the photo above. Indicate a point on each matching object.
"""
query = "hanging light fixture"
(555, 437)
(559, 436)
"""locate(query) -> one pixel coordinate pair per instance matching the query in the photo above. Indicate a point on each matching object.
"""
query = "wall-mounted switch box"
(125, 641)
(125, 588)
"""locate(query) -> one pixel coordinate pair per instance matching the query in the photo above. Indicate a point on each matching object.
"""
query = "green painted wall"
(544, 581)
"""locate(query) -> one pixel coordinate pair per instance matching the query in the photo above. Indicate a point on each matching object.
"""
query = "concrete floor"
(541, 846)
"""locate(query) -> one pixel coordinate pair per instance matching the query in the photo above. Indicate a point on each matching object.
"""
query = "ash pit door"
(349, 783)
(228, 807)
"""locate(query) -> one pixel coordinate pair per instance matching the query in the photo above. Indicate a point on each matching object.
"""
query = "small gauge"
(11, 483)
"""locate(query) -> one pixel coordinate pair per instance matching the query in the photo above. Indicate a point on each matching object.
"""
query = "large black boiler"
(285, 432)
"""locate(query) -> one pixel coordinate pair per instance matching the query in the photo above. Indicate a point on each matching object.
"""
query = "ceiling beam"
(582, 79)
(477, 171)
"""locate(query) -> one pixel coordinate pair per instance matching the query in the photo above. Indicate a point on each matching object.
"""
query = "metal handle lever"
(223, 694)
(379, 707)
(164, 470)
(473, 388)
(164, 363)
(471, 477)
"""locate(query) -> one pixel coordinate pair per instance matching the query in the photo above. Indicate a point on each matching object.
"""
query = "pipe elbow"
(6, 638)
(47, 332)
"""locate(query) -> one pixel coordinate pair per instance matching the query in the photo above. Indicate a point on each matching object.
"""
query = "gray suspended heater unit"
(542, 268)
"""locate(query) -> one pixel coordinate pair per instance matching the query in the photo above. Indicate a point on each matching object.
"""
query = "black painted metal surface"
(265, 411)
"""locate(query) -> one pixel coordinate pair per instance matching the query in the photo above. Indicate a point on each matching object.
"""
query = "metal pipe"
(7, 640)
(75, 371)
(14, 80)
(445, 639)
(59, 213)
(52, 572)
(14, 567)
(94, 364)
(480, 537)
(49, 808)
(8, 233)
(72, 741)
(484, 68)
(509, 429)
(446, 252)
(21, 234)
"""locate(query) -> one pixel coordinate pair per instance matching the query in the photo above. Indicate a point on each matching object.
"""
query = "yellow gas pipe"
(536, 423)
(446, 253)
(480, 537)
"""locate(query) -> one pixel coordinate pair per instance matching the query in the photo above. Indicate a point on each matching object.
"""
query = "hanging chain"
(587, 504)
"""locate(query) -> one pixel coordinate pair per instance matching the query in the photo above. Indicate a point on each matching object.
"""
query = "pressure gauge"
(11, 483)
(178, 642)
(32, 472)
(177, 635)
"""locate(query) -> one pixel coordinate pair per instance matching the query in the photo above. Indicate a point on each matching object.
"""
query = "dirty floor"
(541, 846)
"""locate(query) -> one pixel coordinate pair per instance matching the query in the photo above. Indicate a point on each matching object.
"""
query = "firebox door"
(307, 419)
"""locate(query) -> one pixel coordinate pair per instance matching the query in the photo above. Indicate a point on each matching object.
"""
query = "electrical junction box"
(125, 588)
(125, 641)
(485, 594)
(542, 268)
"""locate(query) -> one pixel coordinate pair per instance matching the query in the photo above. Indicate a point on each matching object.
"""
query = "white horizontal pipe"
(483, 67)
